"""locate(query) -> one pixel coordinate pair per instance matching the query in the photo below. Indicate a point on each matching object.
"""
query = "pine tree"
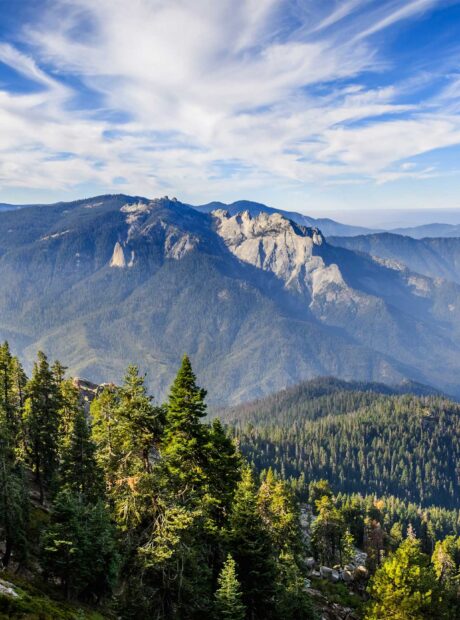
(78, 546)
(228, 598)
(12, 382)
(404, 587)
(292, 601)
(140, 422)
(280, 513)
(41, 419)
(104, 430)
(330, 538)
(14, 511)
(252, 550)
(185, 437)
(446, 564)
(79, 470)
(125, 422)
(223, 471)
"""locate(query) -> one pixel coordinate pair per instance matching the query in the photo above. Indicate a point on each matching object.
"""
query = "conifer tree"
(292, 601)
(104, 430)
(139, 421)
(223, 467)
(404, 587)
(13, 504)
(7, 408)
(279, 511)
(125, 422)
(41, 418)
(185, 437)
(78, 546)
(331, 539)
(79, 470)
(252, 550)
(228, 598)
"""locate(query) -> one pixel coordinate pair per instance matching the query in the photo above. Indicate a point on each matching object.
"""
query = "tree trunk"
(7, 555)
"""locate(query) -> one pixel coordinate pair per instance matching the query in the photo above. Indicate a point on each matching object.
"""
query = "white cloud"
(216, 93)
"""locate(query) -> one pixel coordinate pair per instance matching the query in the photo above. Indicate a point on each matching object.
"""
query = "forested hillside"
(135, 510)
(361, 438)
(261, 302)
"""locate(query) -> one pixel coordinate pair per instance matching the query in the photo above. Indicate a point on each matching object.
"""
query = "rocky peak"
(275, 243)
(118, 256)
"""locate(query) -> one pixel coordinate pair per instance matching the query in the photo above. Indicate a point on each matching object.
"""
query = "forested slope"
(362, 440)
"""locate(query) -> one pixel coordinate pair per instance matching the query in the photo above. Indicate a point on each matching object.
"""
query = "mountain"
(436, 258)
(259, 302)
(328, 227)
(429, 230)
(363, 438)
(7, 207)
(315, 398)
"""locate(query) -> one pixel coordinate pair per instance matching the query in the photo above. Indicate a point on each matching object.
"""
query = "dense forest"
(362, 438)
(131, 509)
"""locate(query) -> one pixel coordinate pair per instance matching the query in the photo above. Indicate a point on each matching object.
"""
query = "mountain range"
(258, 301)
(433, 257)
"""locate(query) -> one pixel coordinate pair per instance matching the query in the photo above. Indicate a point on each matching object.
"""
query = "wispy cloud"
(150, 95)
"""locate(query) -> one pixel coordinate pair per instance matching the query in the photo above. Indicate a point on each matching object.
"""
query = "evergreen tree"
(228, 598)
(42, 422)
(79, 470)
(331, 540)
(14, 511)
(404, 587)
(141, 422)
(185, 437)
(105, 431)
(446, 564)
(292, 601)
(223, 465)
(78, 547)
(252, 550)
(127, 428)
(280, 513)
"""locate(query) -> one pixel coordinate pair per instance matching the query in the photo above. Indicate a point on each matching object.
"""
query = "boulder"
(7, 589)
(347, 576)
(350, 567)
(325, 572)
(310, 563)
(315, 573)
(361, 572)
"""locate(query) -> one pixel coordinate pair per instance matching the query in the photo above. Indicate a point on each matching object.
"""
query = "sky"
(310, 105)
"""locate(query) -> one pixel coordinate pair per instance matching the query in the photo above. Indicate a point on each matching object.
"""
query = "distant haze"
(391, 218)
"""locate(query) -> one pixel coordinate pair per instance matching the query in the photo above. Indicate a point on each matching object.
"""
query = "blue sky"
(303, 104)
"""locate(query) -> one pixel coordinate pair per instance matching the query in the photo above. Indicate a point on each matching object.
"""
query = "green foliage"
(292, 601)
(41, 420)
(158, 506)
(251, 548)
(185, 438)
(228, 603)
(364, 442)
(78, 547)
(331, 540)
(79, 470)
(404, 587)
(14, 507)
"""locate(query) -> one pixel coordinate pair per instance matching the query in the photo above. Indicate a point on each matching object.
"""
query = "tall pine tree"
(41, 418)
(228, 597)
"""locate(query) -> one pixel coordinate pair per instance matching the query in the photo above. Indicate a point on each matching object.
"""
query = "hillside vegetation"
(363, 438)
(140, 510)
(259, 301)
